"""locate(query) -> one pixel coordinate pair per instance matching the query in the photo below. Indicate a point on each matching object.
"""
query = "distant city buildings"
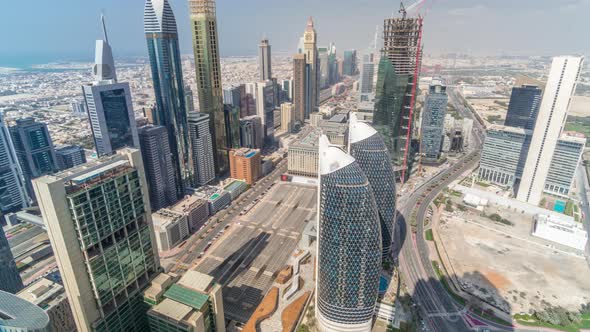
(19, 315)
(13, 188)
(208, 73)
(349, 244)
(245, 164)
(76, 206)
(433, 121)
(70, 156)
(10, 280)
(561, 85)
(349, 67)
(524, 107)
(159, 166)
(202, 158)
(367, 75)
(166, 68)
(264, 60)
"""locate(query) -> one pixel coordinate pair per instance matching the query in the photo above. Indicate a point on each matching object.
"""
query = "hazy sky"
(68, 28)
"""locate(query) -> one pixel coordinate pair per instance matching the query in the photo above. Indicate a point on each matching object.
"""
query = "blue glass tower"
(349, 244)
(164, 54)
(370, 152)
(433, 120)
(524, 107)
(10, 280)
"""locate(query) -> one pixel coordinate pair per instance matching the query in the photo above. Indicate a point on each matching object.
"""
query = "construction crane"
(404, 10)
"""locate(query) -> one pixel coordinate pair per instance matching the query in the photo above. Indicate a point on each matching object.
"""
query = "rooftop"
(332, 158)
(43, 292)
(359, 131)
(234, 185)
(196, 280)
(172, 309)
(18, 313)
(509, 129)
(186, 296)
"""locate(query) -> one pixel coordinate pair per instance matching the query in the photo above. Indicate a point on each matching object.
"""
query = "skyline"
(472, 26)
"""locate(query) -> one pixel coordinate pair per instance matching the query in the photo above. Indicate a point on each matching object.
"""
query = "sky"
(66, 29)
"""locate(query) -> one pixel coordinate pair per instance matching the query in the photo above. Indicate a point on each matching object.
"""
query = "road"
(188, 256)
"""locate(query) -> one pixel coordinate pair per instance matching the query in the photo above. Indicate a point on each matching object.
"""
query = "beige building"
(196, 211)
(303, 155)
(97, 221)
(287, 110)
(310, 49)
(192, 303)
(52, 298)
(315, 119)
(170, 227)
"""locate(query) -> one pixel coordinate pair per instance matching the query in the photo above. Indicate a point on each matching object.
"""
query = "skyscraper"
(100, 228)
(523, 107)
(159, 167)
(208, 71)
(310, 49)
(109, 105)
(264, 60)
(34, 149)
(370, 152)
(265, 105)
(251, 133)
(349, 244)
(349, 67)
(232, 125)
(10, 280)
(433, 120)
(397, 82)
(560, 88)
(324, 71)
(166, 65)
(287, 111)
(189, 101)
(564, 164)
(367, 72)
(202, 159)
(299, 86)
(13, 192)
(70, 156)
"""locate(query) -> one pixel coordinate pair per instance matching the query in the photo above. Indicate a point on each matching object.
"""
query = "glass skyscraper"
(10, 280)
(349, 244)
(433, 120)
(524, 107)
(166, 65)
(13, 194)
(370, 152)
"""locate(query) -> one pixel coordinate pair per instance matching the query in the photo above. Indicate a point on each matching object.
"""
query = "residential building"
(104, 269)
(70, 156)
(564, 164)
(196, 211)
(370, 152)
(208, 72)
(503, 155)
(159, 166)
(13, 192)
(395, 92)
(523, 107)
(10, 280)
(51, 297)
(109, 104)
(349, 67)
(303, 155)
(192, 304)
(264, 60)
(348, 246)
(245, 165)
(19, 315)
(277, 119)
(251, 133)
(299, 86)
(287, 112)
(265, 105)
(166, 65)
(560, 88)
(202, 153)
(433, 120)
(170, 228)
(310, 49)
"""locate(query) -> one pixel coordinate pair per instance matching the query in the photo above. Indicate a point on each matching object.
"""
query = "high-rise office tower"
(560, 88)
(287, 112)
(349, 67)
(159, 166)
(370, 152)
(34, 149)
(70, 156)
(433, 120)
(264, 60)
(189, 100)
(524, 107)
(349, 244)
(564, 164)
(299, 86)
(208, 71)
(247, 100)
(10, 280)
(202, 159)
(323, 60)
(232, 96)
(13, 192)
(251, 133)
(109, 105)
(397, 83)
(367, 72)
(99, 223)
(310, 49)
(265, 105)
(166, 65)
(288, 87)
(333, 65)
(232, 125)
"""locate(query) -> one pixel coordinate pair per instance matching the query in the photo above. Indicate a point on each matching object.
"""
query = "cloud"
(573, 5)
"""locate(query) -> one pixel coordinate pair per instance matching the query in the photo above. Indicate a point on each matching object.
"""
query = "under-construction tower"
(396, 89)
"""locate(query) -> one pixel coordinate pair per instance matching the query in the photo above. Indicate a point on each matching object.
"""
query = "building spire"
(104, 29)
(104, 63)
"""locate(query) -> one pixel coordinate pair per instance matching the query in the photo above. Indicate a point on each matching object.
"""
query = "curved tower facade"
(370, 152)
(349, 244)
(164, 54)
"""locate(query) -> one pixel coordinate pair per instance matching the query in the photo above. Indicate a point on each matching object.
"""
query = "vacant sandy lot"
(506, 265)
(489, 107)
(580, 106)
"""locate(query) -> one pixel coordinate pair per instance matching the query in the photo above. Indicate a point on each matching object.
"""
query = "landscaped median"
(532, 320)
(264, 310)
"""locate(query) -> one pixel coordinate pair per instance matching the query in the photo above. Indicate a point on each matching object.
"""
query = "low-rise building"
(303, 155)
(217, 198)
(51, 297)
(170, 227)
(19, 315)
(315, 119)
(192, 304)
(235, 188)
(565, 161)
(337, 132)
(245, 165)
(196, 211)
(559, 230)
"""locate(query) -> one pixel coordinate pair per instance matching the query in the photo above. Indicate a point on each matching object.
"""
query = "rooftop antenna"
(402, 9)
(104, 28)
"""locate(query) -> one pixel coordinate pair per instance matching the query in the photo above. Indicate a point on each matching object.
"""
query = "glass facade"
(524, 107)
(349, 247)
(34, 148)
(433, 121)
(232, 125)
(372, 156)
(10, 280)
(116, 114)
